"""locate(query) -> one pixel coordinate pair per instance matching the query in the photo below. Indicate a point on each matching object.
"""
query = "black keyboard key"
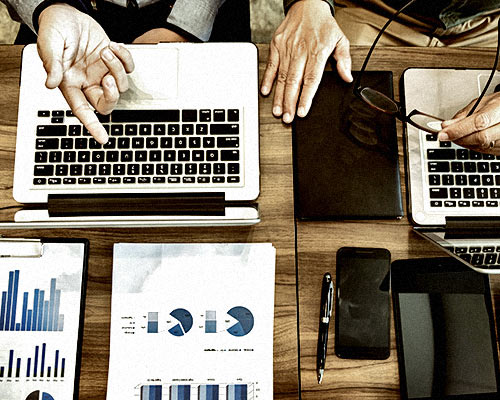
(184, 155)
(39, 181)
(203, 179)
(188, 179)
(166, 143)
(482, 193)
(69, 113)
(188, 129)
(460, 250)
(144, 130)
(75, 130)
(431, 138)
(462, 154)
(159, 179)
(152, 143)
(159, 129)
(212, 155)
(198, 155)
(114, 180)
(147, 169)
(474, 249)
(474, 155)
(55, 156)
(102, 118)
(445, 144)
(447, 180)
(69, 181)
(81, 143)
(233, 168)
(457, 166)
(169, 155)
(455, 193)
(492, 203)
(116, 130)
(450, 203)
(483, 167)
(69, 156)
(488, 157)
(230, 155)
(466, 257)
(155, 155)
(208, 142)
(119, 169)
(464, 203)
(436, 203)
(75, 169)
(469, 167)
(98, 180)
(434, 180)
(189, 116)
(161, 169)
(205, 115)
(51, 130)
(219, 169)
(129, 179)
(205, 169)
(180, 143)
(461, 180)
(495, 167)
(126, 156)
(44, 113)
(487, 180)
(174, 179)
(495, 193)
(110, 144)
(438, 193)
(54, 181)
(233, 179)
(104, 169)
(202, 129)
(234, 142)
(61, 170)
(143, 179)
(130, 130)
(97, 156)
(44, 170)
(488, 249)
(218, 179)
(112, 156)
(478, 203)
(191, 169)
(477, 259)
(233, 115)
(124, 143)
(441, 154)
(133, 169)
(57, 120)
(469, 193)
(84, 181)
(219, 115)
(474, 180)
(145, 115)
(94, 144)
(141, 156)
(66, 143)
(175, 169)
(491, 259)
(138, 143)
(41, 156)
(47, 144)
(234, 129)
(58, 113)
(195, 142)
(90, 170)
(84, 156)
(173, 129)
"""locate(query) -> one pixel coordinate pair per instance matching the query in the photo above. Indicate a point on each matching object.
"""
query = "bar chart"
(41, 364)
(42, 316)
(202, 392)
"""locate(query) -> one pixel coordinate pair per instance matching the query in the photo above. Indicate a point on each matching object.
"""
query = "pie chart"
(185, 322)
(245, 321)
(37, 395)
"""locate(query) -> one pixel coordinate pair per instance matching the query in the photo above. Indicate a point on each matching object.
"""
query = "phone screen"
(362, 306)
(446, 341)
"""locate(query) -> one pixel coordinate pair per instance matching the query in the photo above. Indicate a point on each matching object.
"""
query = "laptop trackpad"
(155, 76)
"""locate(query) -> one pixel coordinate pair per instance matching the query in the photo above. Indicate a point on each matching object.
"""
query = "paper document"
(40, 316)
(192, 322)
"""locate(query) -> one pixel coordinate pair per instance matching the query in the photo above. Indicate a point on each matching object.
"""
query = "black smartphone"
(362, 303)
(445, 333)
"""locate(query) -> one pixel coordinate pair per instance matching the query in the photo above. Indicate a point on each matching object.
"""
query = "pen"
(324, 323)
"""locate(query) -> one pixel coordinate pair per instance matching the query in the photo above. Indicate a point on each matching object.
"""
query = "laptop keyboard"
(479, 256)
(460, 178)
(178, 147)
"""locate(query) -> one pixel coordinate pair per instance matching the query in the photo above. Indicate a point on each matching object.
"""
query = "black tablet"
(445, 332)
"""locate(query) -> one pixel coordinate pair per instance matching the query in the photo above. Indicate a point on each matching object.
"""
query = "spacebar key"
(145, 116)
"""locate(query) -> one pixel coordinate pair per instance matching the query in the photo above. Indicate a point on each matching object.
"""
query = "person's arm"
(298, 54)
(480, 131)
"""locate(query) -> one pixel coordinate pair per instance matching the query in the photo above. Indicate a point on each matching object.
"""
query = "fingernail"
(301, 112)
(277, 111)
(114, 45)
(287, 118)
(109, 82)
(107, 54)
(443, 136)
(264, 90)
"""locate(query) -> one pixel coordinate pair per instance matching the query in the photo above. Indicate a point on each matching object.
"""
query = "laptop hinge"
(472, 227)
(66, 205)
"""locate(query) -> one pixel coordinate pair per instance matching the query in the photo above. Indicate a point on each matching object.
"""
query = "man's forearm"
(288, 3)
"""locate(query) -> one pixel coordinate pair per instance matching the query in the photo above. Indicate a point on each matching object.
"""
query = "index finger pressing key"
(82, 110)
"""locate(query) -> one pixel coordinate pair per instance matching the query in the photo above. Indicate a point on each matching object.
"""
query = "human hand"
(479, 131)
(80, 59)
(160, 35)
(298, 54)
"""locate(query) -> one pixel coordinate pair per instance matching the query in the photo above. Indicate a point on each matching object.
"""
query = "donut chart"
(245, 321)
(185, 322)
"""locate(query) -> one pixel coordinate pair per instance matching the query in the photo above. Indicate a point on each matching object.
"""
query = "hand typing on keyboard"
(80, 59)
(480, 131)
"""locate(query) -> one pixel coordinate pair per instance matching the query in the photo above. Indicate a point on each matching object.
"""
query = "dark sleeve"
(79, 5)
(288, 3)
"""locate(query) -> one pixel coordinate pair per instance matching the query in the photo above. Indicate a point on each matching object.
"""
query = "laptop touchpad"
(155, 76)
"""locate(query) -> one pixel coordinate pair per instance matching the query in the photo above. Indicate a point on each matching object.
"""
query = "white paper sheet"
(192, 322)
(41, 336)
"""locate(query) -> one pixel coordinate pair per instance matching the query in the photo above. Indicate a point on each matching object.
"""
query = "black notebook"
(346, 154)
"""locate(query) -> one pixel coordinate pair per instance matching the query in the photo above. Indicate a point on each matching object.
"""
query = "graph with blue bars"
(41, 364)
(202, 392)
(44, 312)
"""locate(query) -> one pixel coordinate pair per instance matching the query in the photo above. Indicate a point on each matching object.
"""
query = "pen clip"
(326, 298)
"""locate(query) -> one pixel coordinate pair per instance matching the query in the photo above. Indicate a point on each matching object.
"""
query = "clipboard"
(43, 286)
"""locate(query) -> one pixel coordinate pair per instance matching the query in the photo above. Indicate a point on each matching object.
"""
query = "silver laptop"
(453, 193)
(184, 141)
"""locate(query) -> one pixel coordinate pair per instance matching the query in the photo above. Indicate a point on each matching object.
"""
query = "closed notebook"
(346, 154)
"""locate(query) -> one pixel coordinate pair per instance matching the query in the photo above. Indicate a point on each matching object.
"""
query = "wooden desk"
(277, 226)
(318, 242)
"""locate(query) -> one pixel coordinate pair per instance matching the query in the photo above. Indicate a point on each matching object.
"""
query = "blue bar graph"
(180, 392)
(44, 314)
(37, 366)
(237, 392)
(152, 322)
(151, 392)
(208, 392)
(210, 322)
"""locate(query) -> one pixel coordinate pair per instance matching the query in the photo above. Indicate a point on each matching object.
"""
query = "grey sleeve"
(22, 10)
(195, 16)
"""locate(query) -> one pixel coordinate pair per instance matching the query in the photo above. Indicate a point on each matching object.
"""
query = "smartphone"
(362, 303)
(445, 332)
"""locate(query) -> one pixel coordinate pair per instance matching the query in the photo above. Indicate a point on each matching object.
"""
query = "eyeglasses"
(385, 104)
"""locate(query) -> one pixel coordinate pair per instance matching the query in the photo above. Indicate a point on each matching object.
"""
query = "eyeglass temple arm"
(365, 63)
(493, 70)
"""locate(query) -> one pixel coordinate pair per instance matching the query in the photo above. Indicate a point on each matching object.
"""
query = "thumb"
(51, 48)
(343, 57)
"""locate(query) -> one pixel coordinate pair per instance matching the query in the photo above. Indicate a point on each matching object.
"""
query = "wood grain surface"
(318, 242)
(277, 227)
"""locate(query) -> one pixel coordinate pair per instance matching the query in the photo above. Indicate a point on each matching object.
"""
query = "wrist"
(42, 7)
(327, 4)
